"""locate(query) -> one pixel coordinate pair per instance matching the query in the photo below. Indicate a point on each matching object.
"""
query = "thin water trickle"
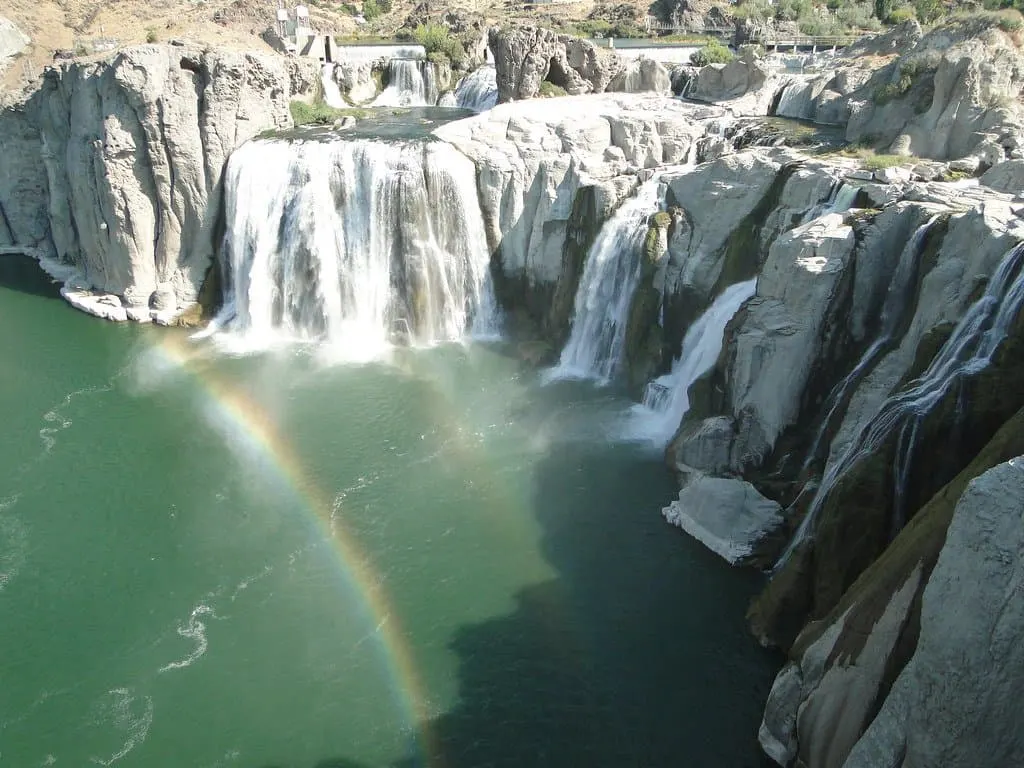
(967, 351)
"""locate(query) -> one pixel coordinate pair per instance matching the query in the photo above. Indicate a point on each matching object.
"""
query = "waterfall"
(410, 83)
(840, 200)
(354, 243)
(478, 90)
(897, 299)
(610, 277)
(332, 93)
(967, 351)
(667, 399)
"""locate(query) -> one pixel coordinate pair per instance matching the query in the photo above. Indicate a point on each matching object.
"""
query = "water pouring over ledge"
(355, 244)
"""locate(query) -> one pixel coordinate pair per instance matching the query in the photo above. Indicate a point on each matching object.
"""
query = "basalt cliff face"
(853, 425)
(113, 169)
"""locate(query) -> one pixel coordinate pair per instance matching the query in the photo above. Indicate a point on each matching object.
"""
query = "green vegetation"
(373, 9)
(602, 28)
(151, 35)
(319, 113)
(875, 162)
(436, 39)
(549, 89)
(662, 219)
(712, 53)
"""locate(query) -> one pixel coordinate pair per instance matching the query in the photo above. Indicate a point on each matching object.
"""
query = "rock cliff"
(526, 57)
(132, 151)
(949, 94)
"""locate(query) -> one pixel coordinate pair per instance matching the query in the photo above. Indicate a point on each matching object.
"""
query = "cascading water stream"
(410, 84)
(354, 243)
(667, 399)
(610, 278)
(478, 90)
(894, 307)
(840, 200)
(968, 351)
(332, 93)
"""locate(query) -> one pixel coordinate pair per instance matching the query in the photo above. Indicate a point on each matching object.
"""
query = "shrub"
(891, 91)
(712, 53)
(549, 89)
(900, 15)
(375, 8)
(928, 10)
(435, 38)
(320, 113)
(151, 36)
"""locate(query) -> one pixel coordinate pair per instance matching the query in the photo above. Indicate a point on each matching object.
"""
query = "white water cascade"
(897, 299)
(332, 93)
(354, 243)
(605, 293)
(840, 200)
(667, 399)
(968, 351)
(410, 83)
(478, 90)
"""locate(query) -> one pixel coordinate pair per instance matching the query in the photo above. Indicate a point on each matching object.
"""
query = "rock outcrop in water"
(128, 191)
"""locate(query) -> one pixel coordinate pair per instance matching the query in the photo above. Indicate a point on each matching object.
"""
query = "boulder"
(1006, 177)
(641, 74)
(728, 516)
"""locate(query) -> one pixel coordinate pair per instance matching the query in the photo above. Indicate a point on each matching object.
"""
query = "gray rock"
(1006, 177)
(12, 40)
(641, 74)
(728, 516)
(957, 702)
(526, 56)
(132, 150)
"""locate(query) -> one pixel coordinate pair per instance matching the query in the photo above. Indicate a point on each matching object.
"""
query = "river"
(275, 560)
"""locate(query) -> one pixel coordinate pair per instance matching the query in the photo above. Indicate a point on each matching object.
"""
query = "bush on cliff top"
(712, 53)
(436, 39)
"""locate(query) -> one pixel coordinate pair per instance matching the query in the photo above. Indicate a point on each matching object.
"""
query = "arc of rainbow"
(253, 421)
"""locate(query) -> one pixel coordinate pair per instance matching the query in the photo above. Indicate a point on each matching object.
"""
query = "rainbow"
(263, 437)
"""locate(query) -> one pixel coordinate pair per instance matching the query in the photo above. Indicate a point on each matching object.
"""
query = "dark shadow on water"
(650, 665)
(23, 274)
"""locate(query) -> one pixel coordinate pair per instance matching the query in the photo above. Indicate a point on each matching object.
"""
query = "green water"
(169, 597)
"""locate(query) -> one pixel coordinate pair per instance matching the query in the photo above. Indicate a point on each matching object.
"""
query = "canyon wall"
(132, 149)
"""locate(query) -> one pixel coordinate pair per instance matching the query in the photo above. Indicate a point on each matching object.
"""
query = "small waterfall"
(968, 350)
(897, 299)
(410, 83)
(840, 200)
(478, 90)
(354, 243)
(605, 293)
(667, 399)
(332, 93)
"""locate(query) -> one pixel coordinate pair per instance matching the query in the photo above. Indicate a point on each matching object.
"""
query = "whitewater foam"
(195, 630)
(127, 714)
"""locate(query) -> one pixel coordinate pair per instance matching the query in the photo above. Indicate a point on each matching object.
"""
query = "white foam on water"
(129, 715)
(13, 543)
(195, 630)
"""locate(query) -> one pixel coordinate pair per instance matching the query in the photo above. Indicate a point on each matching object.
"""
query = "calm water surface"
(260, 561)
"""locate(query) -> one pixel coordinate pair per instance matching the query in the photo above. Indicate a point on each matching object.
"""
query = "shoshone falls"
(465, 428)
